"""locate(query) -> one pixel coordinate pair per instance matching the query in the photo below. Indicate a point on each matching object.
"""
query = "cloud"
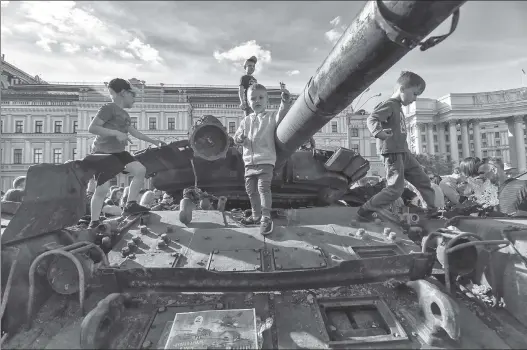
(335, 21)
(242, 52)
(334, 34)
(44, 43)
(293, 72)
(4, 3)
(144, 51)
(70, 48)
(125, 54)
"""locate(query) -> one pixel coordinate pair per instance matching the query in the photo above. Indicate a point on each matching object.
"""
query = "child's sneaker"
(250, 221)
(365, 215)
(266, 226)
(132, 208)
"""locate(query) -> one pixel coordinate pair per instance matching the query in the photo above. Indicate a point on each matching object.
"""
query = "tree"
(437, 164)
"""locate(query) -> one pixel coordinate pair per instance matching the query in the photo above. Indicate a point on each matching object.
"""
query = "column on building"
(476, 132)
(417, 138)
(465, 147)
(47, 152)
(27, 151)
(454, 151)
(67, 153)
(519, 135)
(512, 143)
(430, 138)
(28, 128)
(441, 139)
(48, 128)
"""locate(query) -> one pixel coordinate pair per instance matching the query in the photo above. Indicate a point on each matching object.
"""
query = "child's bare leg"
(138, 171)
(97, 200)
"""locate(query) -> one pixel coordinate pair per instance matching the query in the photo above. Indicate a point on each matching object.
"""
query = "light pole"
(360, 96)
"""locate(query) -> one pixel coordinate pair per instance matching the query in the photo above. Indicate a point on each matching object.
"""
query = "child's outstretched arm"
(139, 135)
(379, 115)
(239, 135)
(285, 105)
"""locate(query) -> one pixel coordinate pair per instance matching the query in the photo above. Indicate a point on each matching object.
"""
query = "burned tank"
(320, 280)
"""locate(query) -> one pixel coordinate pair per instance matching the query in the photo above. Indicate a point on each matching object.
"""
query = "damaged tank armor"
(321, 280)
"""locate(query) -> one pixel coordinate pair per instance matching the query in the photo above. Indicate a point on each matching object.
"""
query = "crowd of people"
(476, 186)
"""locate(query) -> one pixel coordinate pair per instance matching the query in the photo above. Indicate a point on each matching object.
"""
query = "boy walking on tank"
(256, 134)
(111, 126)
(387, 124)
(245, 82)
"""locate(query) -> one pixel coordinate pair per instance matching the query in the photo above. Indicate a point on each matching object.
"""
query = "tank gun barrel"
(378, 38)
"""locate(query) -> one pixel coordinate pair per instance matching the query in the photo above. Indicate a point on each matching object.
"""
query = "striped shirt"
(513, 196)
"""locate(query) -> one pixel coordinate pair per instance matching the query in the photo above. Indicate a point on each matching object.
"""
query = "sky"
(200, 42)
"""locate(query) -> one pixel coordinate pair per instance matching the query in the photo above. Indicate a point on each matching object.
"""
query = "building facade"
(48, 122)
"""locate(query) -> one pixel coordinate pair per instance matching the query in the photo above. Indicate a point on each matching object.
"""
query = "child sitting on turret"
(256, 134)
(387, 124)
(245, 82)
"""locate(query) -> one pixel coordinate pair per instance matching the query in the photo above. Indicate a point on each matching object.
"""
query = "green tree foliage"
(437, 164)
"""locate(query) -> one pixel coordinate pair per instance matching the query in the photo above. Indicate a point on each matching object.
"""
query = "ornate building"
(48, 122)
(480, 124)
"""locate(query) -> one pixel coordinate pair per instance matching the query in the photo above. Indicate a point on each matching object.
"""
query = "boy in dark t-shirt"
(245, 82)
(111, 126)
(387, 124)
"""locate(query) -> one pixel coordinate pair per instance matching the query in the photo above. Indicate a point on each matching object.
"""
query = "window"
(459, 138)
(424, 149)
(37, 155)
(1, 126)
(448, 157)
(435, 138)
(355, 148)
(152, 123)
(334, 127)
(57, 156)
(74, 154)
(485, 153)
(423, 138)
(484, 135)
(447, 138)
(484, 144)
(17, 156)
(354, 132)
(436, 149)
(38, 126)
(58, 127)
(471, 137)
(232, 127)
(498, 143)
(171, 123)
(471, 146)
(498, 152)
(434, 128)
(134, 122)
(448, 149)
(497, 135)
(75, 126)
(19, 126)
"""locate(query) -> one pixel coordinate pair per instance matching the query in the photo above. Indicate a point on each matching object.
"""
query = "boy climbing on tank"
(387, 124)
(256, 135)
(111, 125)
(245, 82)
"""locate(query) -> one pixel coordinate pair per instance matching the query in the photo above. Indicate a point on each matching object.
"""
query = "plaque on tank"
(235, 260)
(214, 329)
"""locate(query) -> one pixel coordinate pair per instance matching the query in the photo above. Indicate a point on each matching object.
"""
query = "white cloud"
(125, 54)
(335, 21)
(70, 48)
(144, 51)
(333, 35)
(239, 54)
(44, 43)
(293, 72)
(4, 3)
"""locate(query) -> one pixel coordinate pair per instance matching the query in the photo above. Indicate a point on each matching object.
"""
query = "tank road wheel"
(99, 322)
